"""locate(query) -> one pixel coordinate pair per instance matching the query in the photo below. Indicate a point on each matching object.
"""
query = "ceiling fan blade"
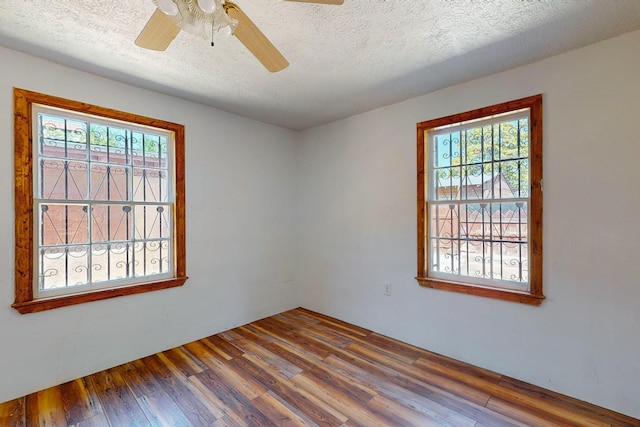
(254, 40)
(158, 33)
(336, 2)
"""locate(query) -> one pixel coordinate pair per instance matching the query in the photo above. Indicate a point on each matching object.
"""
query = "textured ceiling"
(344, 59)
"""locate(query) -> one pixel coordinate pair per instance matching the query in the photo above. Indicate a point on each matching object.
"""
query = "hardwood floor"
(300, 368)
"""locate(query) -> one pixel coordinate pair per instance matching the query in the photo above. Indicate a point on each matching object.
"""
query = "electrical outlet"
(387, 288)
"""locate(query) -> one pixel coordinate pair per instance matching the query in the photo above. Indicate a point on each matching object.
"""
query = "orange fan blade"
(336, 2)
(254, 40)
(158, 33)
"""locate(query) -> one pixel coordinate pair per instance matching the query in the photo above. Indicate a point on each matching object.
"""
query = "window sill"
(37, 305)
(502, 294)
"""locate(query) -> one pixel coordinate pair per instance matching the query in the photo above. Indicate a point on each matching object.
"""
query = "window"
(99, 203)
(480, 202)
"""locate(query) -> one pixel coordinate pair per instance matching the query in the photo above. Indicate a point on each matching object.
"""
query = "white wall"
(358, 212)
(240, 184)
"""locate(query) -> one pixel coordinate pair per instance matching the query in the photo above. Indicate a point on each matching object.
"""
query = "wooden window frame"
(535, 295)
(24, 215)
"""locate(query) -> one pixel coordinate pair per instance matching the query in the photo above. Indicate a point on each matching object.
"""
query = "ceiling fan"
(196, 16)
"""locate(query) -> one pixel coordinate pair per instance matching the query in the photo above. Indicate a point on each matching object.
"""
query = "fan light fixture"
(169, 7)
(197, 16)
(208, 6)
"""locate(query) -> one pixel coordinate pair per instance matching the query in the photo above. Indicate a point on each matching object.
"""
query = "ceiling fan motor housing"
(197, 16)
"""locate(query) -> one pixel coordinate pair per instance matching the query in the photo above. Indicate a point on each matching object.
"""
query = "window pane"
(110, 144)
(62, 138)
(150, 185)
(511, 135)
(110, 182)
(476, 182)
(111, 222)
(149, 150)
(62, 267)
(513, 179)
(445, 220)
(445, 256)
(446, 150)
(111, 261)
(63, 179)
(155, 151)
(448, 182)
(484, 240)
(510, 261)
(152, 257)
(152, 221)
(63, 224)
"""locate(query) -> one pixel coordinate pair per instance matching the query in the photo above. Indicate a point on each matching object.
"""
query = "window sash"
(434, 204)
(133, 278)
(480, 122)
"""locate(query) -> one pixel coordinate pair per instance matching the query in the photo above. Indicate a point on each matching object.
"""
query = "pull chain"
(212, 44)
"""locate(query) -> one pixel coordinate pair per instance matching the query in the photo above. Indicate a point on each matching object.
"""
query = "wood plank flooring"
(300, 368)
